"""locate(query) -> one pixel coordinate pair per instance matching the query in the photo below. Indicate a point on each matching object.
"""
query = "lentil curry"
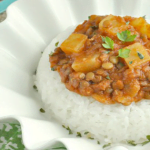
(107, 58)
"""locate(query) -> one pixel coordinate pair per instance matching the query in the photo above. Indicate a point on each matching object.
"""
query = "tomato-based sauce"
(107, 58)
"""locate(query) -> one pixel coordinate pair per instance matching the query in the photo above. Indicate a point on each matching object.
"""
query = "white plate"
(28, 29)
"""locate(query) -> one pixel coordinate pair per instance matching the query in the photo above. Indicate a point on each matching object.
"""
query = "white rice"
(109, 123)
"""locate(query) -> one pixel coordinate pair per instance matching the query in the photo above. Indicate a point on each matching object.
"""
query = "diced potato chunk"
(112, 23)
(115, 21)
(137, 22)
(74, 43)
(134, 59)
(103, 99)
(141, 26)
(86, 63)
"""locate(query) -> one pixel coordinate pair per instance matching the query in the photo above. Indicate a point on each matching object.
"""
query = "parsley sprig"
(131, 142)
(144, 143)
(56, 44)
(42, 110)
(144, 17)
(67, 128)
(126, 36)
(108, 42)
(124, 53)
(106, 145)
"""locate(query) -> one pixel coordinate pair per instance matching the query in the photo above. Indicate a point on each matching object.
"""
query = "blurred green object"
(4, 4)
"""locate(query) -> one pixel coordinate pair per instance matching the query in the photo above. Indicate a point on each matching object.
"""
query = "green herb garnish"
(86, 133)
(94, 27)
(35, 87)
(42, 110)
(106, 52)
(131, 142)
(51, 53)
(90, 138)
(103, 39)
(144, 143)
(79, 134)
(35, 72)
(106, 145)
(56, 44)
(67, 128)
(140, 55)
(121, 64)
(124, 53)
(94, 33)
(98, 142)
(89, 17)
(126, 36)
(53, 69)
(148, 137)
(144, 17)
(63, 126)
(59, 148)
(70, 132)
(127, 22)
(109, 43)
(130, 62)
(107, 77)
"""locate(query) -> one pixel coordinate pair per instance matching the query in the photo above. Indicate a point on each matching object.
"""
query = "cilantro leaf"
(109, 43)
(124, 53)
(126, 36)
(103, 39)
(130, 62)
(127, 23)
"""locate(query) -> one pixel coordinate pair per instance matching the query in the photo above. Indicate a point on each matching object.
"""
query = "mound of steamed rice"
(109, 123)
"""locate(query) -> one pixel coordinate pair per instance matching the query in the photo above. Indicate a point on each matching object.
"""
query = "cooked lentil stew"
(107, 58)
